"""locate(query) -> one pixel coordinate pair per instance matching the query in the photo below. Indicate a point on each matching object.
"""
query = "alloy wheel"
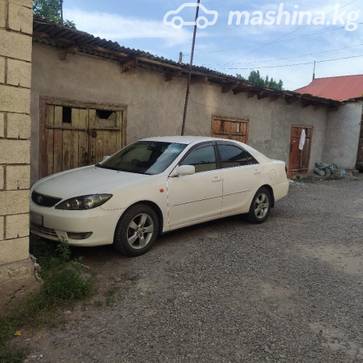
(140, 231)
(262, 205)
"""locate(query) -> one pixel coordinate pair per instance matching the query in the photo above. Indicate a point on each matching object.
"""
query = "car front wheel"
(136, 231)
(261, 206)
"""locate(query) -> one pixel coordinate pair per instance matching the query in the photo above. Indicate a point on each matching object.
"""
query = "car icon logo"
(206, 17)
(40, 199)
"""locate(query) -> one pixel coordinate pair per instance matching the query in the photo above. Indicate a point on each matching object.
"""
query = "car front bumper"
(87, 228)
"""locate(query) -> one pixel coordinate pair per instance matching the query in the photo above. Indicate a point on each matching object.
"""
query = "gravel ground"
(290, 290)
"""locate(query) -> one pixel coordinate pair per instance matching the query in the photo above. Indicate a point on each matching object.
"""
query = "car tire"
(136, 231)
(261, 206)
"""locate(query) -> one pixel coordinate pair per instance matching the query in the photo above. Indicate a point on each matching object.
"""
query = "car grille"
(44, 200)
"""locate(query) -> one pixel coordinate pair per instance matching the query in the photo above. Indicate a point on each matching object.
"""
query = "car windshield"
(144, 157)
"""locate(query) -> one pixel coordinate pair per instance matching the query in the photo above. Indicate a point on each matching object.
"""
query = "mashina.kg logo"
(281, 14)
(176, 18)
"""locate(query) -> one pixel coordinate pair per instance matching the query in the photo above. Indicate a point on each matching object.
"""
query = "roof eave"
(71, 40)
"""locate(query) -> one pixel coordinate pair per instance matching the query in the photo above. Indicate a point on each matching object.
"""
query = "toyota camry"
(154, 186)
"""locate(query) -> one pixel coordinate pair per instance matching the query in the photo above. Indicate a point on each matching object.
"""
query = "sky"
(285, 51)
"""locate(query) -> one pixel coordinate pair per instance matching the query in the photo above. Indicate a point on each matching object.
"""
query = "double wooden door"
(76, 136)
(299, 159)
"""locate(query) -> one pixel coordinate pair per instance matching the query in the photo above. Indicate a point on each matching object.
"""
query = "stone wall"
(15, 126)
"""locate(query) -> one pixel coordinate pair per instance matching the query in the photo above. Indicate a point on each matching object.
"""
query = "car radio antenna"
(190, 68)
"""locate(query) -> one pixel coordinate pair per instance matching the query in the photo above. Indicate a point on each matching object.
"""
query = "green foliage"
(64, 282)
(51, 10)
(256, 79)
(8, 355)
(67, 283)
(64, 277)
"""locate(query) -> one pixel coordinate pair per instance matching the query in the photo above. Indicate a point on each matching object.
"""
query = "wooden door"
(299, 159)
(360, 149)
(76, 136)
(105, 135)
(233, 129)
(66, 136)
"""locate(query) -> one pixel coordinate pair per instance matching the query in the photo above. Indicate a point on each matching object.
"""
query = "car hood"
(85, 181)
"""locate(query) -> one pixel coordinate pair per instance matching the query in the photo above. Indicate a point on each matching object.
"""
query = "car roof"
(181, 139)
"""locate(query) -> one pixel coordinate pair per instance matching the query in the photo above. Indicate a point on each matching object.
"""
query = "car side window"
(203, 158)
(232, 156)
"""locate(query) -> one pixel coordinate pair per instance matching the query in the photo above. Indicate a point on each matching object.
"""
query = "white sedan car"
(154, 186)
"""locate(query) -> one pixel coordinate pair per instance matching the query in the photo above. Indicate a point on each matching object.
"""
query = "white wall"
(342, 135)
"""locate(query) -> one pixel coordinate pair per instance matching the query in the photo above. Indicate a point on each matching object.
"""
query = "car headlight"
(84, 202)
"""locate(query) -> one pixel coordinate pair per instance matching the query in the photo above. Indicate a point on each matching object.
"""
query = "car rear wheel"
(136, 231)
(261, 206)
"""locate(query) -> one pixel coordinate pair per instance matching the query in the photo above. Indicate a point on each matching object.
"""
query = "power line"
(283, 38)
(305, 35)
(296, 64)
(286, 58)
(304, 55)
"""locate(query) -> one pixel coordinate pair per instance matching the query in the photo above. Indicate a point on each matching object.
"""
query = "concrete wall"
(15, 73)
(154, 106)
(342, 136)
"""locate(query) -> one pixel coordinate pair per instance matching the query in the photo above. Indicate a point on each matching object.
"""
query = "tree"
(51, 10)
(256, 79)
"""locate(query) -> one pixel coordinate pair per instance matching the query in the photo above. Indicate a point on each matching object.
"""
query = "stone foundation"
(17, 280)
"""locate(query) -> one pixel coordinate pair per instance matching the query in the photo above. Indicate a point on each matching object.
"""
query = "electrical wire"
(296, 64)
(283, 38)
(300, 55)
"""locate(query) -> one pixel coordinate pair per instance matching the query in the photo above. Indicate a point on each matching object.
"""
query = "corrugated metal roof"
(65, 36)
(340, 88)
(62, 37)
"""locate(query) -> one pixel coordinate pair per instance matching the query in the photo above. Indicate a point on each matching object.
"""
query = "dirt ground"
(290, 290)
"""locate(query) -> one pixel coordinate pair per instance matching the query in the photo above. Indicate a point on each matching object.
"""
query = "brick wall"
(15, 77)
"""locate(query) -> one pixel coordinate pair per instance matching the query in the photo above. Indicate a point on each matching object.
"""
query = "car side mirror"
(106, 157)
(183, 170)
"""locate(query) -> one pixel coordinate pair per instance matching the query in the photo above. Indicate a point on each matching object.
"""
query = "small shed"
(91, 96)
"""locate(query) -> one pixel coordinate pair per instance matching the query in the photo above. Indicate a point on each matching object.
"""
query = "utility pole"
(61, 10)
(180, 58)
(190, 69)
(314, 70)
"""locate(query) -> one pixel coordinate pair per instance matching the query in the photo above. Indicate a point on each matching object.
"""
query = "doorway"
(300, 149)
(78, 135)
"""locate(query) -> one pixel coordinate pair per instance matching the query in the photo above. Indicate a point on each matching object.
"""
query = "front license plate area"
(36, 219)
